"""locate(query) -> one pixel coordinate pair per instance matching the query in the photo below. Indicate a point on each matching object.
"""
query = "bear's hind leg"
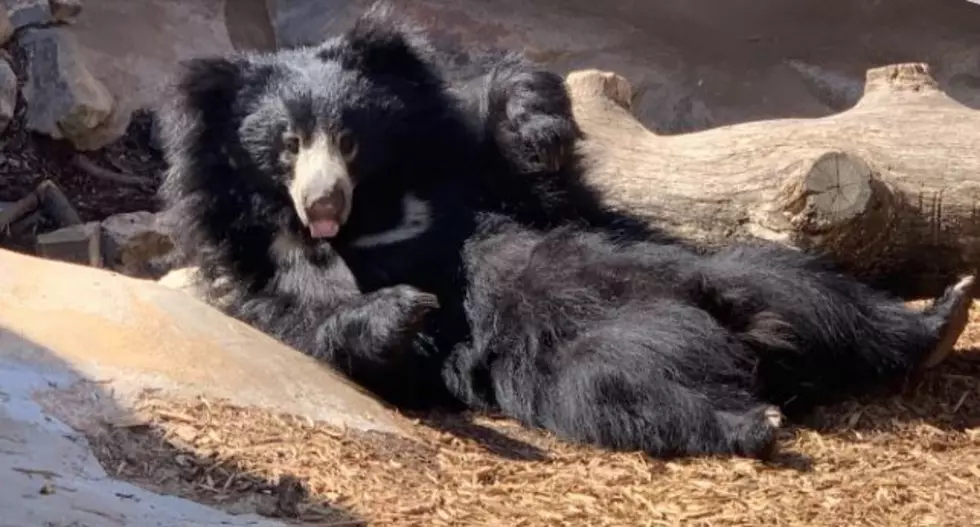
(529, 115)
(821, 335)
(603, 405)
(668, 381)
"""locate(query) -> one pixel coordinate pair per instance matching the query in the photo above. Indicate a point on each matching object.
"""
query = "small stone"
(6, 26)
(64, 100)
(79, 244)
(136, 244)
(65, 10)
(8, 94)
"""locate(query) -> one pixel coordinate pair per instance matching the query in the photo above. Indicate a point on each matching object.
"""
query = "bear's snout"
(321, 188)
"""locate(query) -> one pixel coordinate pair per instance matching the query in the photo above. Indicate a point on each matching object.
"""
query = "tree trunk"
(889, 187)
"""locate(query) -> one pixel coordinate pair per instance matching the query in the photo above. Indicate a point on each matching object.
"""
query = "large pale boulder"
(78, 345)
(136, 335)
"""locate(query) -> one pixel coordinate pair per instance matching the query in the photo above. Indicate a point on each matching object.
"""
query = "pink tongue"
(324, 228)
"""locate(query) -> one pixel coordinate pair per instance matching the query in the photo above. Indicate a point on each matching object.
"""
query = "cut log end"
(836, 189)
(833, 202)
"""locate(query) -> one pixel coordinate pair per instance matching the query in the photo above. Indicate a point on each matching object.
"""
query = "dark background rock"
(6, 26)
(698, 64)
(25, 13)
(8, 94)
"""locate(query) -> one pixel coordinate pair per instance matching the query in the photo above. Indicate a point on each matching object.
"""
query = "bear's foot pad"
(963, 294)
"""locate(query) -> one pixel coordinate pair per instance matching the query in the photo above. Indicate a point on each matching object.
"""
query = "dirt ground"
(906, 459)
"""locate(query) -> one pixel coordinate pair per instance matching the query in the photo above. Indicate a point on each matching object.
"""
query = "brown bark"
(889, 187)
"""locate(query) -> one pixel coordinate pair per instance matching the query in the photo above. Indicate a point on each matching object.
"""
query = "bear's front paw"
(410, 307)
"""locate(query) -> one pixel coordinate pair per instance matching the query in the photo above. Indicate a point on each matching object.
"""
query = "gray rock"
(65, 10)
(136, 244)
(29, 13)
(64, 99)
(79, 244)
(6, 26)
(8, 94)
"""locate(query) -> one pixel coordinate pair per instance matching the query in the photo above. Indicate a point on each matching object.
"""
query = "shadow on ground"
(945, 400)
(153, 445)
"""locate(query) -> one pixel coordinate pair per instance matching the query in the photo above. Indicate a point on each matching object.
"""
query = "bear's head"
(299, 129)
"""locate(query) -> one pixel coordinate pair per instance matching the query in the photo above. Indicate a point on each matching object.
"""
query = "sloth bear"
(325, 192)
(329, 195)
(644, 346)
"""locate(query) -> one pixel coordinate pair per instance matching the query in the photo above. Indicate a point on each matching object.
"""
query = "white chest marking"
(416, 220)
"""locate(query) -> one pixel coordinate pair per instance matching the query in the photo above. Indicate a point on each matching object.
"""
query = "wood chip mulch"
(911, 459)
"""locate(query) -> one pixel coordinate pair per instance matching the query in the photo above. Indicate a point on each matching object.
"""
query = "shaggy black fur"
(635, 345)
(599, 337)
(237, 124)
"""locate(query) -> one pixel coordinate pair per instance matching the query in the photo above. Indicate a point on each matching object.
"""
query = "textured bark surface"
(888, 187)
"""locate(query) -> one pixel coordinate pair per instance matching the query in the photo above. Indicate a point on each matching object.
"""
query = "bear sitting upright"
(325, 192)
(652, 347)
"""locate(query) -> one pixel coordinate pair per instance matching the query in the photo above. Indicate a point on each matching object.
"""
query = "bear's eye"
(290, 142)
(347, 146)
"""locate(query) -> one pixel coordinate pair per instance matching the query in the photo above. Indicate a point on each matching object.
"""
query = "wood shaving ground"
(911, 459)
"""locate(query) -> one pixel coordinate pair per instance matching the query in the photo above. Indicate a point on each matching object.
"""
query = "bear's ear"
(199, 108)
(382, 43)
(208, 86)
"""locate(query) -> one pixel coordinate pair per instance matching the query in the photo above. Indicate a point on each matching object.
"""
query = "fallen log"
(889, 187)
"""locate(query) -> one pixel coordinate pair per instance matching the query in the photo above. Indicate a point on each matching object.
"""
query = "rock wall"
(698, 64)
(695, 64)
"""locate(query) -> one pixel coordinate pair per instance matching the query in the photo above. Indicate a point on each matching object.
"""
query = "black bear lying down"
(327, 193)
(644, 346)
